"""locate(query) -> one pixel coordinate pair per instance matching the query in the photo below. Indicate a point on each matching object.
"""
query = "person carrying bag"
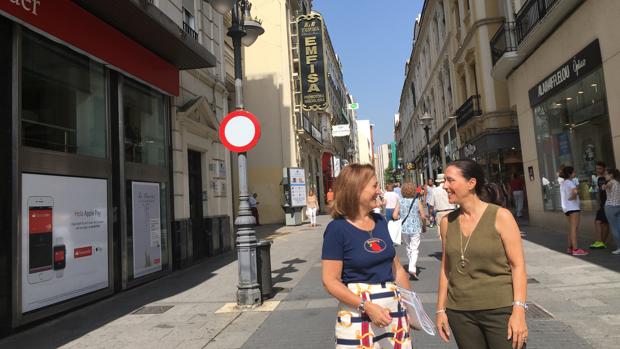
(411, 226)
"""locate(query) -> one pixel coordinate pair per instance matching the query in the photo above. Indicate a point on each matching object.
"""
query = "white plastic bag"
(395, 229)
(416, 316)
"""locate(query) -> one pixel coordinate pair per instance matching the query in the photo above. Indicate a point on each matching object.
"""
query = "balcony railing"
(189, 30)
(503, 41)
(468, 110)
(530, 14)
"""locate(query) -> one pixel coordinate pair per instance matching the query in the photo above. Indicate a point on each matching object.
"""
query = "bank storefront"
(85, 176)
(571, 121)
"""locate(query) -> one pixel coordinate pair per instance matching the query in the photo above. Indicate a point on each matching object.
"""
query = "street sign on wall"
(312, 70)
(341, 130)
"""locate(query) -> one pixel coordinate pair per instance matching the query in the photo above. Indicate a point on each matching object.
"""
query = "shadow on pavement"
(289, 268)
(63, 328)
(557, 241)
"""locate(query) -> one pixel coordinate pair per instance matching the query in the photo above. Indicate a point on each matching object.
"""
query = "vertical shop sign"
(312, 62)
(146, 223)
(64, 238)
(297, 182)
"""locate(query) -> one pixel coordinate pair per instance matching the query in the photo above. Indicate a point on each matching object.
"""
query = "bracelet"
(520, 304)
(440, 311)
(362, 307)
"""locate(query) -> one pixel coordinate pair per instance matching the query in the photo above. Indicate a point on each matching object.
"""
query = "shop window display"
(573, 129)
(63, 99)
(145, 127)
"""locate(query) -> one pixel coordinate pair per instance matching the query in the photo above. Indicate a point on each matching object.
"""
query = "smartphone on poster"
(40, 239)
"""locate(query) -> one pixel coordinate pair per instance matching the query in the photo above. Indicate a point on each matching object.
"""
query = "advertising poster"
(297, 181)
(64, 238)
(146, 224)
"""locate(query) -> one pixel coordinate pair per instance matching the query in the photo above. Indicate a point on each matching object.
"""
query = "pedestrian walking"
(571, 206)
(397, 189)
(390, 199)
(254, 207)
(517, 185)
(411, 211)
(330, 197)
(482, 282)
(612, 205)
(601, 223)
(439, 200)
(312, 205)
(360, 267)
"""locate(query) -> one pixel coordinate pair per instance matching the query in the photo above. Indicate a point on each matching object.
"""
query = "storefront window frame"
(144, 172)
(550, 192)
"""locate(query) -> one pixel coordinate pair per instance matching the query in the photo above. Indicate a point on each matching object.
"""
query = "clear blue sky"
(373, 39)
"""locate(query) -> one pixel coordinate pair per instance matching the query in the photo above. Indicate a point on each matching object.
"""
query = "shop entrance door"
(194, 173)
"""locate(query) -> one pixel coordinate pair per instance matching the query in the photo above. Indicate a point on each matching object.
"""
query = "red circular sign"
(239, 131)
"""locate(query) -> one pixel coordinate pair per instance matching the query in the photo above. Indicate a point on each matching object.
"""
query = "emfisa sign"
(312, 62)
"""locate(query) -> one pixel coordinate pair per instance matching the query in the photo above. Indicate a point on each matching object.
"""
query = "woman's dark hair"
(485, 191)
(567, 172)
(614, 172)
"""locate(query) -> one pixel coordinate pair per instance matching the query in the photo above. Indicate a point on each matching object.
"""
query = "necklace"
(462, 264)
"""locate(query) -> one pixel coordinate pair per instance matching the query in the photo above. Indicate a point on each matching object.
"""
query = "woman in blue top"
(411, 211)
(360, 266)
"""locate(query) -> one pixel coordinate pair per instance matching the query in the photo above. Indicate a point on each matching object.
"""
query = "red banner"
(74, 25)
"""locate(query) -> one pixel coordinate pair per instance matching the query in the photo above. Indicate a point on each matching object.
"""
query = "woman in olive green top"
(482, 282)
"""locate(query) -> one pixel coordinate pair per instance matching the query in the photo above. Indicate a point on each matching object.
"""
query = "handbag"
(395, 228)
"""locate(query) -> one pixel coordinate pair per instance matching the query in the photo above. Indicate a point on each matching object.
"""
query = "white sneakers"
(616, 251)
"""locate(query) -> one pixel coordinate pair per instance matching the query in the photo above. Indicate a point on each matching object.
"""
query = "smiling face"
(457, 186)
(368, 196)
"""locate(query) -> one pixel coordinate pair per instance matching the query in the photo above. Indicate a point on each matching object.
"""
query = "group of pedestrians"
(607, 215)
(482, 286)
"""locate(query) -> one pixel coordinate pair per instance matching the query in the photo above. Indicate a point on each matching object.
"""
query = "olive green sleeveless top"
(484, 281)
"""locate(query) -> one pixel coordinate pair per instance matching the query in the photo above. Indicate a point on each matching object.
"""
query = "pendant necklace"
(462, 264)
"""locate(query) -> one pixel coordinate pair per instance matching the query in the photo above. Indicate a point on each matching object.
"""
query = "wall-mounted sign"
(312, 62)
(353, 106)
(341, 130)
(577, 67)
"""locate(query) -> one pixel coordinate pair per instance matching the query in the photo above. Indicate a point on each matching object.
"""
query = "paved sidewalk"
(577, 303)
(194, 294)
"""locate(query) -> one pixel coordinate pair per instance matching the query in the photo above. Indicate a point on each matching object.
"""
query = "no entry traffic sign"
(239, 131)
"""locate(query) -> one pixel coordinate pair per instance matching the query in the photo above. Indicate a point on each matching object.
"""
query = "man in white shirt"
(439, 200)
(390, 201)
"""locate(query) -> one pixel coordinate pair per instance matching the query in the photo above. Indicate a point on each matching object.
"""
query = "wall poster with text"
(146, 227)
(64, 238)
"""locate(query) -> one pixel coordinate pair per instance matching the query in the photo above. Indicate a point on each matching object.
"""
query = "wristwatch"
(362, 307)
(520, 304)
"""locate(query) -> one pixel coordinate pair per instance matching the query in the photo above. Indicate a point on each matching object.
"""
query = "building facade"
(560, 60)
(203, 196)
(448, 77)
(382, 163)
(365, 142)
(293, 136)
(88, 165)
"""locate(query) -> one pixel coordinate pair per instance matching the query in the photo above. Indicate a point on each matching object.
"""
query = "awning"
(146, 24)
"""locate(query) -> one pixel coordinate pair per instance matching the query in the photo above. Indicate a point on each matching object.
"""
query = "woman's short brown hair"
(408, 190)
(347, 189)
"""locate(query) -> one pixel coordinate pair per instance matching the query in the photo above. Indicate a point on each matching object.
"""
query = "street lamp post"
(243, 30)
(426, 120)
